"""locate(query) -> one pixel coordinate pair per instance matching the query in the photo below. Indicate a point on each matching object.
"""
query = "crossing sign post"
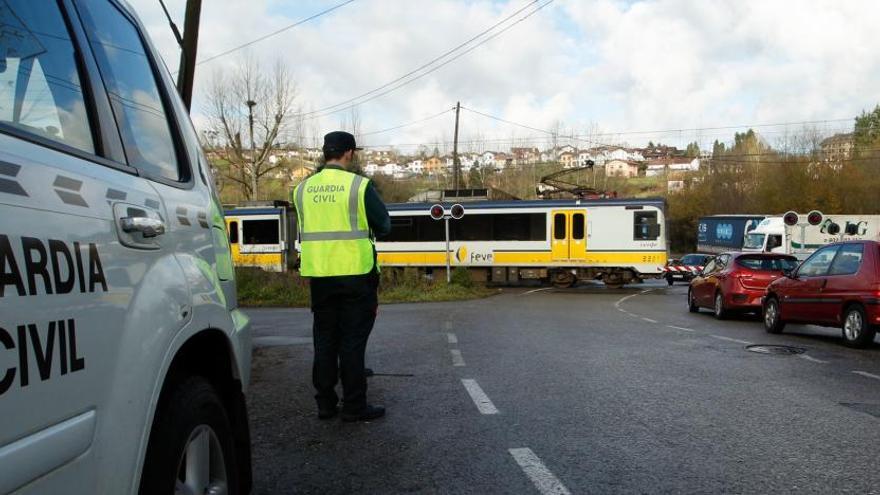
(456, 212)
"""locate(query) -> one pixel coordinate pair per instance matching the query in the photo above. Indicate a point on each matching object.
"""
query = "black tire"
(770, 314)
(718, 307)
(190, 406)
(857, 330)
(692, 303)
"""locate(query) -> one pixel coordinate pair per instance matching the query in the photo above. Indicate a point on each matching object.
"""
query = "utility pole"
(456, 164)
(250, 104)
(189, 47)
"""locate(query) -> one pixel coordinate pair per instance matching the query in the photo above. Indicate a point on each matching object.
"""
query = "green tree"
(693, 150)
(866, 133)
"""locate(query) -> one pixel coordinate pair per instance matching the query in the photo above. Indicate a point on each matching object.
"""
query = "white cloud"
(653, 64)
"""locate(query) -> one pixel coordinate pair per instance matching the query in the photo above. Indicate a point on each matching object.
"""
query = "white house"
(487, 158)
(416, 166)
(371, 169)
(584, 157)
(391, 169)
(655, 169)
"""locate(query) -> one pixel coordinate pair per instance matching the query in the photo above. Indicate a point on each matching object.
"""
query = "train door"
(568, 239)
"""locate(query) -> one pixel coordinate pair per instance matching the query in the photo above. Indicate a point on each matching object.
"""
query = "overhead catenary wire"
(274, 33)
(316, 114)
(408, 124)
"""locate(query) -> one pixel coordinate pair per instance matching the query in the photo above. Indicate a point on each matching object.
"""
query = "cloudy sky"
(616, 71)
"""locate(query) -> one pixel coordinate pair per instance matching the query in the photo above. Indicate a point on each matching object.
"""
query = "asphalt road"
(586, 390)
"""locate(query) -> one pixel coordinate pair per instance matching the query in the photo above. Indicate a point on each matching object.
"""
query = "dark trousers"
(344, 310)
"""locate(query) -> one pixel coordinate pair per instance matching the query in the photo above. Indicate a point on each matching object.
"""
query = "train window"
(472, 228)
(519, 227)
(645, 226)
(430, 230)
(260, 232)
(559, 226)
(403, 229)
(233, 232)
(577, 226)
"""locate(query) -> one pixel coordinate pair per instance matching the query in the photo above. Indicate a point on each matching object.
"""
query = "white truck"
(124, 359)
(800, 238)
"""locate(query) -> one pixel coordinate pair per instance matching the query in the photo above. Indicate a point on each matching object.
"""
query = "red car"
(837, 286)
(736, 282)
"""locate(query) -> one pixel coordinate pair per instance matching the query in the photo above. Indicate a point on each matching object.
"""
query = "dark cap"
(339, 141)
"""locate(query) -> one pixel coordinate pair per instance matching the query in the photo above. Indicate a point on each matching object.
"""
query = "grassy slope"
(257, 288)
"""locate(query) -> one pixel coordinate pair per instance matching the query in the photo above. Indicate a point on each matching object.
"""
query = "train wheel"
(612, 280)
(562, 280)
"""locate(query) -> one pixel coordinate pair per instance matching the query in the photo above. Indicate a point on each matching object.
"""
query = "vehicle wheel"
(692, 302)
(720, 312)
(856, 331)
(191, 447)
(563, 280)
(669, 280)
(772, 321)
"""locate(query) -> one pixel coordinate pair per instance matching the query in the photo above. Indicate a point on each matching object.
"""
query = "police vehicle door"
(81, 254)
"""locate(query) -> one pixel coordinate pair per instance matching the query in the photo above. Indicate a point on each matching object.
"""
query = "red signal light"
(457, 211)
(814, 217)
(791, 219)
(437, 212)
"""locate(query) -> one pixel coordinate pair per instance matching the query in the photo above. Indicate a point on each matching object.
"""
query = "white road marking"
(448, 325)
(479, 397)
(867, 375)
(683, 329)
(811, 359)
(649, 320)
(622, 299)
(738, 341)
(536, 290)
(457, 359)
(634, 315)
(544, 480)
(451, 338)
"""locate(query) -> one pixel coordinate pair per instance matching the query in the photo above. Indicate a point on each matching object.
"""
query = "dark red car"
(837, 286)
(736, 282)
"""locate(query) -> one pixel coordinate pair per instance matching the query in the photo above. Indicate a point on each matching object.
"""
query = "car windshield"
(766, 264)
(693, 260)
(754, 241)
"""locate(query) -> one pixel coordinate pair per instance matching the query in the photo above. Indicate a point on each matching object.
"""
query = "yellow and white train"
(614, 240)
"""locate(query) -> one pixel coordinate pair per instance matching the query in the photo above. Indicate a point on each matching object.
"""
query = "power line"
(273, 33)
(444, 112)
(330, 110)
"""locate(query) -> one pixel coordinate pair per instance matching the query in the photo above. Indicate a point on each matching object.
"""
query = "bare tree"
(259, 104)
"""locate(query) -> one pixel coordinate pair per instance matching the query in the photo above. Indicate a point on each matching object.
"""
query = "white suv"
(123, 358)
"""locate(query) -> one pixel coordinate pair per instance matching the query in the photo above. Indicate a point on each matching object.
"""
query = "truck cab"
(768, 237)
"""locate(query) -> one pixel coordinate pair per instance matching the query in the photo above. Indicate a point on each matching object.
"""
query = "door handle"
(148, 227)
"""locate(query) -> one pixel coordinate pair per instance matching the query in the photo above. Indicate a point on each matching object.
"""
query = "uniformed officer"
(339, 213)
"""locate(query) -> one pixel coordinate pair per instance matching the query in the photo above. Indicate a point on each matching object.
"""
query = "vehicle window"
(233, 232)
(645, 226)
(693, 260)
(722, 261)
(754, 241)
(848, 260)
(260, 232)
(774, 241)
(559, 226)
(134, 94)
(710, 267)
(577, 226)
(818, 264)
(40, 89)
(767, 264)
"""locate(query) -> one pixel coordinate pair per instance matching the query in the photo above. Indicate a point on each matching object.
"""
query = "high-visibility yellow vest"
(332, 222)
